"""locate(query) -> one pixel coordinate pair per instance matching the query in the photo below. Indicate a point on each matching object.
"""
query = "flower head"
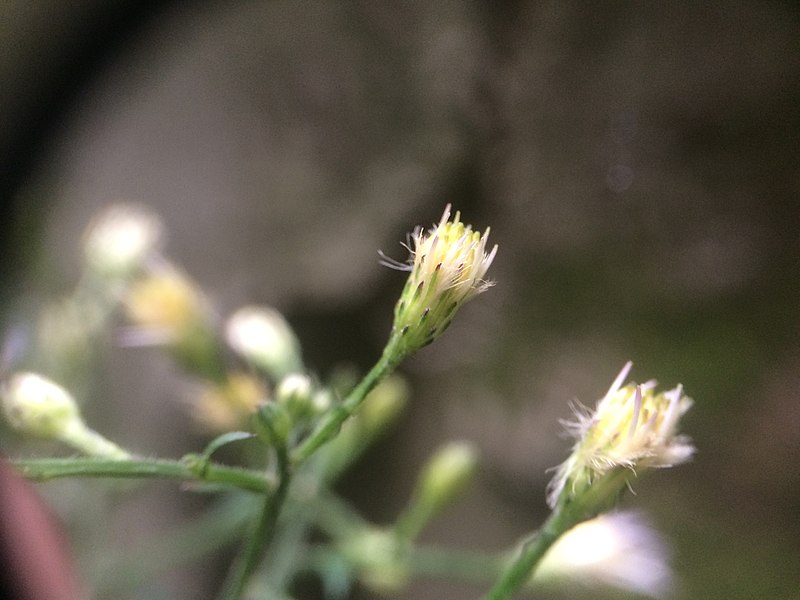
(447, 268)
(119, 239)
(618, 549)
(632, 429)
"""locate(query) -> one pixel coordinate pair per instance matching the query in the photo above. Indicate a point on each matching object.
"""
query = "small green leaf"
(224, 439)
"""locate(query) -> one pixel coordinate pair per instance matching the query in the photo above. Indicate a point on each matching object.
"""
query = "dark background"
(638, 165)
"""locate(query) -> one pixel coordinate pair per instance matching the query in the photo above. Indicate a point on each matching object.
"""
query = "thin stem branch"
(45, 469)
(261, 536)
(531, 552)
(331, 423)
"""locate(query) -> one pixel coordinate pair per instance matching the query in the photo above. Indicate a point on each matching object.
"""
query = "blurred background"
(638, 166)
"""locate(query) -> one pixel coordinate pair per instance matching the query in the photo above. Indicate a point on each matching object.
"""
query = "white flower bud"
(296, 391)
(262, 336)
(119, 239)
(37, 406)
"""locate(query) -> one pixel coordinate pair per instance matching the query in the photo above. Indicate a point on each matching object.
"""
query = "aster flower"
(633, 429)
(448, 265)
(446, 268)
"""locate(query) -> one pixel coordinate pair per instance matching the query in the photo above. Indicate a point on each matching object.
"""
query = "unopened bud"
(166, 301)
(120, 238)
(447, 474)
(380, 557)
(295, 391)
(37, 406)
(230, 405)
(263, 337)
(169, 309)
(442, 481)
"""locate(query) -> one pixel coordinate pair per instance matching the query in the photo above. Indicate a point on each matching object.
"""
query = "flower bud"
(617, 549)
(442, 481)
(229, 405)
(263, 337)
(167, 308)
(120, 239)
(447, 269)
(380, 558)
(633, 429)
(37, 406)
(447, 474)
(296, 392)
(166, 301)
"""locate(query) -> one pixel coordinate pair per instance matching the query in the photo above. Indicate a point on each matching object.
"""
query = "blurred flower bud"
(442, 481)
(37, 406)
(230, 405)
(447, 473)
(120, 239)
(321, 400)
(447, 269)
(168, 308)
(263, 337)
(296, 392)
(632, 430)
(380, 558)
(165, 301)
(615, 549)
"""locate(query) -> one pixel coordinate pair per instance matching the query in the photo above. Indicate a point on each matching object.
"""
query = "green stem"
(44, 469)
(413, 519)
(261, 536)
(531, 552)
(330, 424)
